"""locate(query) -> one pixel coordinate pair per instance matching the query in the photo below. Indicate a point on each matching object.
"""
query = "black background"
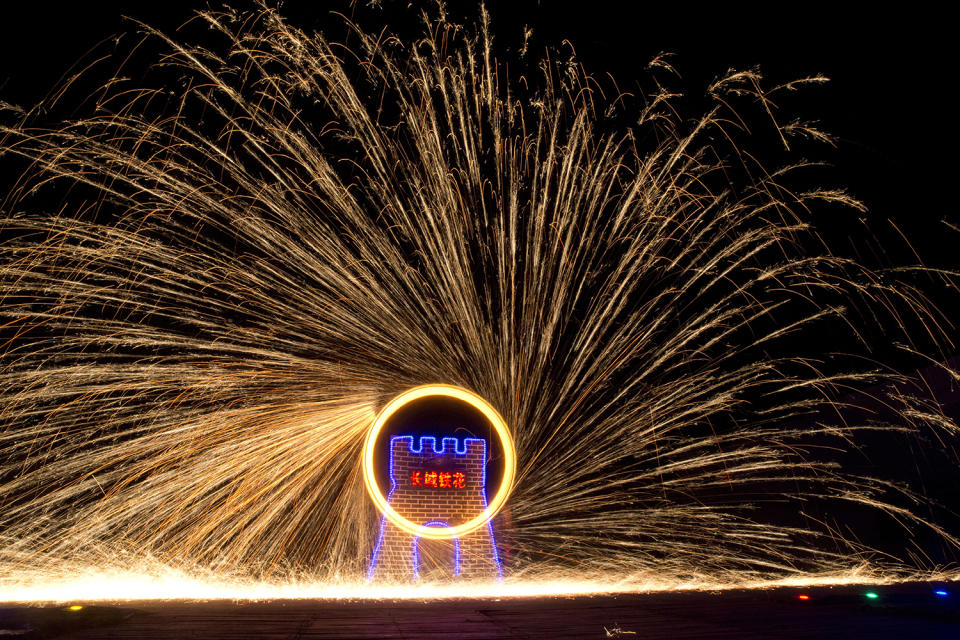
(891, 70)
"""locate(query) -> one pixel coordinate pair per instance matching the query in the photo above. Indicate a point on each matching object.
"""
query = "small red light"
(803, 596)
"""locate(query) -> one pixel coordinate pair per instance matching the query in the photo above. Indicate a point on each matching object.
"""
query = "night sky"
(887, 103)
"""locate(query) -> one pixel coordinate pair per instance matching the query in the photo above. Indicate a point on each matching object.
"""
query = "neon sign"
(436, 486)
(502, 432)
(424, 489)
(438, 480)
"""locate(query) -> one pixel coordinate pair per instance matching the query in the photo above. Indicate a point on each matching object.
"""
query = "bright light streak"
(500, 428)
(161, 583)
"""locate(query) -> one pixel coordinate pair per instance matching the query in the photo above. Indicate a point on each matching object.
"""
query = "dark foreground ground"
(909, 611)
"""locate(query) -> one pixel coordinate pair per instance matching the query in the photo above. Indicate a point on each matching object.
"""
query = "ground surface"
(910, 611)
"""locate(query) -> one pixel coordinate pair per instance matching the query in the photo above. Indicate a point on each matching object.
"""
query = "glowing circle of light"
(499, 427)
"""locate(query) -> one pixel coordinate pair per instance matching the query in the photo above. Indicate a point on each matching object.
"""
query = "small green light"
(871, 595)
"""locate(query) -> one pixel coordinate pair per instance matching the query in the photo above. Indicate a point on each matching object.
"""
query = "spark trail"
(251, 254)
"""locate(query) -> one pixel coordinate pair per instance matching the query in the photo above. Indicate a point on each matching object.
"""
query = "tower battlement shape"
(436, 487)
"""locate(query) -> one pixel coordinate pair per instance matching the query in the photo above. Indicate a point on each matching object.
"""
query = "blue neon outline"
(483, 497)
(460, 451)
(416, 550)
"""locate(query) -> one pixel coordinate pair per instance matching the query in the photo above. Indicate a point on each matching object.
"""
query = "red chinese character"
(415, 479)
(459, 481)
(443, 480)
(429, 478)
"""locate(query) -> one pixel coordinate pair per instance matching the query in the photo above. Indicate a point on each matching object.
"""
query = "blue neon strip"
(460, 448)
(383, 519)
(376, 549)
(416, 550)
(483, 497)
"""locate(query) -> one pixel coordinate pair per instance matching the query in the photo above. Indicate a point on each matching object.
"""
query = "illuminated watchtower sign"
(438, 463)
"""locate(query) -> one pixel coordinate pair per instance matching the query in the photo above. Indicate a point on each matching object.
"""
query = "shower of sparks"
(248, 260)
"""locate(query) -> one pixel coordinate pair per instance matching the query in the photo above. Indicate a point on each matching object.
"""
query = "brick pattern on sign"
(464, 461)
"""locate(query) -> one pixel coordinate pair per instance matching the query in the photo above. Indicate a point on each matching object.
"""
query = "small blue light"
(941, 593)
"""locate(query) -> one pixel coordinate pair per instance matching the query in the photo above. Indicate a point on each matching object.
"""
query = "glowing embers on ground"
(156, 582)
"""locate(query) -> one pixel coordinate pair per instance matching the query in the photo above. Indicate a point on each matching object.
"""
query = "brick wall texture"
(436, 482)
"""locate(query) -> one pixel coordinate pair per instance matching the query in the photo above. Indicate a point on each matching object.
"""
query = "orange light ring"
(499, 426)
